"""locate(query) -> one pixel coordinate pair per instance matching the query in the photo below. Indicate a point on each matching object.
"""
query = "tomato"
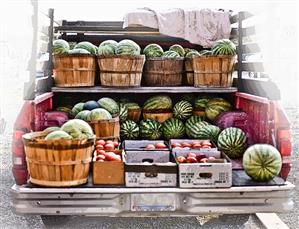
(181, 159)
(109, 156)
(109, 146)
(186, 144)
(206, 142)
(115, 143)
(206, 146)
(178, 147)
(160, 145)
(150, 146)
(191, 160)
(186, 148)
(101, 151)
(99, 147)
(203, 160)
(116, 158)
(100, 157)
(100, 142)
(200, 156)
(191, 155)
(109, 142)
(211, 158)
(174, 145)
(196, 146)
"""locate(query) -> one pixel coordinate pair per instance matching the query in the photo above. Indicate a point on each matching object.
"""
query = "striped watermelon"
(60, 47)
(129, 130)
(123, 112)
(158, 102)
(232, 141)
(153, 50)
(173, 128)
(110, 105)
(203, 130)
(262, 162)
(87, 46)
(150, 129)
(215, 107)
(192, 126)
(224, 47)
(171, 54)
(182, 110)
(178, 48)
(77, 108)
(201, 103)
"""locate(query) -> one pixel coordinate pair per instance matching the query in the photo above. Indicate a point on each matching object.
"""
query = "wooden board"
(271, 221)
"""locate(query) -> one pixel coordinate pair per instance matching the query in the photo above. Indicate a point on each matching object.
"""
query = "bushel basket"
(57, 163)
(121, 71)
(213, 71)
(74, 70)
(189, 71)
(109, 128)
(160, 71)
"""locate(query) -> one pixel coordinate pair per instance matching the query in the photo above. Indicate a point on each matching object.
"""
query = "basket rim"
(99, 57)
(115, 119)
(157, 111)
(74, 55)
(165, 58)
(213, 56)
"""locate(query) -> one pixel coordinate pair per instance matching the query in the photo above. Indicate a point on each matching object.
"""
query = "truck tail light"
(284, 140)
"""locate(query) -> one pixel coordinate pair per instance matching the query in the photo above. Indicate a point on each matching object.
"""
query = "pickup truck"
(259, 97)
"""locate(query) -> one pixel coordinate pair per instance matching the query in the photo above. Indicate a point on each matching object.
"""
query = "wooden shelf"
(182, 89)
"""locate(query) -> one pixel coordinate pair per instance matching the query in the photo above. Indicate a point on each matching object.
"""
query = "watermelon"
(193, 126)
(77, 108)
(129, 130)
(60, 47)
(232, 141)
(224, 47)
(87, 46)
(178, 49)
(158, 102)
(182, 110)
(78, 129)
(192, 54)
(132, 105)
(203, 130)
(110, 105)
(171, 54)
(153, 50)
(200, 103)
(123, 112)
(205, 52)
(262, 162)
(107, 48)
(150, 129)
(127, 47)
(173, 128)
(189, 97)
(99, 114)
(78, 51)
(90, 105)
(50, 129)
(215, 107)
(83, 115)
(58, 134)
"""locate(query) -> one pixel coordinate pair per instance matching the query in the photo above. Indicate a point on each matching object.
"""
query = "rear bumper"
(118, 201)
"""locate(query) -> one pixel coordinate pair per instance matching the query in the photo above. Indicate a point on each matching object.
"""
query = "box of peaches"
(200, 164)
(108, 165)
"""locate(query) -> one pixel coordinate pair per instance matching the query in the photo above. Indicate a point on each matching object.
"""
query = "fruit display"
(78, 51)
(60, 47)
(129, 130)
(158, 102)
(123, 112)
(83, 115)
(77, 108)
(205, 52)
(109, 105)
(78, 129)
(193, 127)
(215, 107)
(192, 54)
(58, 134)
(107, 145)
(153, 50)
(127, 47)
(195, 158)
(173, 128)
(170, 54)
(90, 105)
(178, 49)
(224, 47)
(182, 110)
(262, 162)
(189, 145)
(150, 129)
(99, 114)
(232, 141)
(87, 46)
(107, 48)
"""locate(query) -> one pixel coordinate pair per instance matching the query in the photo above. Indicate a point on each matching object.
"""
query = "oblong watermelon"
(182, 110)
(150, 129)
(129, 130)
(158, 102)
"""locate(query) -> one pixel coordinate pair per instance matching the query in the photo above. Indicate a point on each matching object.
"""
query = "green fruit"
(215, 107)
(232, 141)
(78, 129)
(60, 47)
(129, 130)
(77, 108)
(123, 112)
(110, 105)
(189, 97)
(170, 54)
(83, 115)
(50, 129)
(153, 50)
(127, 47)
(87, 46)
(208, 132)
(58, 134)
(132, 106)
(182, 110)
(192, 54)
(173, 128)
(107, 48)
(99, 114)
(178, 49)
(150, 129)
(224, 47)
(193, 127)
(90, 105)
(262, 162)
(158, 102)
(78, 51)
(205, 53)
(201, 103)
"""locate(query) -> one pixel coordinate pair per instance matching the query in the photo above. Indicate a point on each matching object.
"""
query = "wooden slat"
(248, 31)
(243, 16)
(271, 221)
(99, 89)
(42, 46)
(251, 66)
(251, 48)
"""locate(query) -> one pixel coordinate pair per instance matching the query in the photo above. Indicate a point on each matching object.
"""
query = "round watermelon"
(60, 47)
(78, 51)
(182, 110)
(107, 48)
(173, 128)
(193, 126)
(170, 54)
(153, 50)
(127, 47)
(224, 47)
(262, 162)
(110, 105)
(178, 49)
(232, 141)
(150, 129)
(77, 108)
(129, 130)
(83, 115)
(192, 54)
(215, 107)
(99, 114)
(158, 102)
(87, 46)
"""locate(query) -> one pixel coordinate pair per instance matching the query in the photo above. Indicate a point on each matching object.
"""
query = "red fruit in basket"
(109, 146)
(186, 148)
(116, 158)
(186, 144)
(200, 156)
(99, 147)
(176, 144)
(101, 151)
(100, 142)
(109, 142)
(100, 157)
(115, 143)
(203, 160)
(206, 147)
(160, 145)
(196, 146)
(181, 159)
(206, 143)
(191, 160)
(211, 158)
(150, 146)
(109, 156)
(191, 155)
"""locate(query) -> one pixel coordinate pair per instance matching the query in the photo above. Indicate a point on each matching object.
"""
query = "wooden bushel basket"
(74, 70)
(189, 71)
(157, 115)
(57, 163)
(134, 114)
(121, 71)
(109, 128)
(159, 71)
(213, 71)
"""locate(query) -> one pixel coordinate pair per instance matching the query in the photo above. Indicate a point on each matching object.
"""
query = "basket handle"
(85, 161)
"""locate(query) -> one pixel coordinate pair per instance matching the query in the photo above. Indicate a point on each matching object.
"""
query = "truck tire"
(54, 220)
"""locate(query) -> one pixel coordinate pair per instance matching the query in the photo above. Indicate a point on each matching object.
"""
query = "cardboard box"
(202, 150)
(205, 175)
(160, 172)
(140, 145)
(108, 172)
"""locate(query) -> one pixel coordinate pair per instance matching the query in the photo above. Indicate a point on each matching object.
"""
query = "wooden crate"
(134, 114)
(107, 129)
(74, 70)
(213, 71)
(159, 71)
(157, 115)
(121, 71)
(57, 163)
